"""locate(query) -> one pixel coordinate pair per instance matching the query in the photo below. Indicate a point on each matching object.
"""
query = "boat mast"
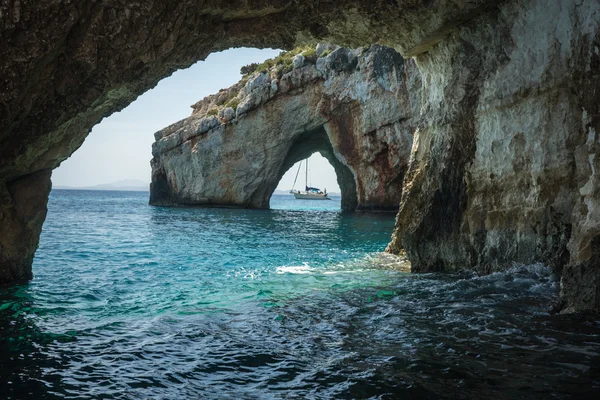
(297, 173)
(306, 176)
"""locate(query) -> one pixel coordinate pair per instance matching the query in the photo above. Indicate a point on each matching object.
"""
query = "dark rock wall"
(505, 160)
(22, 214)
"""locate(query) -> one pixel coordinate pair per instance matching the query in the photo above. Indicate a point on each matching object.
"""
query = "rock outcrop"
(504, 159)
(358, 108)
(21, 224)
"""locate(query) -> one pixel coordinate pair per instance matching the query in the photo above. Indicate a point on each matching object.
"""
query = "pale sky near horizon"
(119, 147)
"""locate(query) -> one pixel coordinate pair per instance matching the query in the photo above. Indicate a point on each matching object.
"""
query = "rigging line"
(299, 166)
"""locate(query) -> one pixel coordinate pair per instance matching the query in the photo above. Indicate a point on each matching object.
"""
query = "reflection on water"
(131, 301)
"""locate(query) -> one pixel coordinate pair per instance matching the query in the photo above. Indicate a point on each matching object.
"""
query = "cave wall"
(505, 157)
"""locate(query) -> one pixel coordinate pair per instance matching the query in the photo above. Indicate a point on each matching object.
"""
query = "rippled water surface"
(136, 302)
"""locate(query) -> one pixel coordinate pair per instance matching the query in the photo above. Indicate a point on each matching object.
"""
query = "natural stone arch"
(352, 106)
(300, 147)
(318, 141)
(493, 70)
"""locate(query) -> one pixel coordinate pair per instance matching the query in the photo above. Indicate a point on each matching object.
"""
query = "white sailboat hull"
(310, 193)
(310, 196)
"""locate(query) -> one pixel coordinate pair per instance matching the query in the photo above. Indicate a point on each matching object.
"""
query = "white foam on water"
(295, 269)
(376, 261)
(344, 271)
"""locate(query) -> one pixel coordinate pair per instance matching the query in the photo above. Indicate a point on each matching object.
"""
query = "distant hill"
(125, 185)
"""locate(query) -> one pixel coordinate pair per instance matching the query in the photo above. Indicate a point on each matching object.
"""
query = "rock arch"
(264, 179)
(352, 106)
(318, 141)
(492, 71)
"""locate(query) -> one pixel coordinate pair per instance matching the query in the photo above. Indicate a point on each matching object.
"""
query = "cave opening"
(491, 70)
(303, 148)
(117, 152)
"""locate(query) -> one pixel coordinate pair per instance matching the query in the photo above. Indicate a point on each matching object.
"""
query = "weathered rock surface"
(504, 161)
(21, 221)
(356, 107)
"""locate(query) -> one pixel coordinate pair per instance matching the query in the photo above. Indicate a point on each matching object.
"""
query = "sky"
(119, 147)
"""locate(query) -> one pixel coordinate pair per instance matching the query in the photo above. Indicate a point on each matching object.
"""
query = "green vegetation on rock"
(278, 66)
(248, 69)
(233, 103)
(284, 61)
(310, 55)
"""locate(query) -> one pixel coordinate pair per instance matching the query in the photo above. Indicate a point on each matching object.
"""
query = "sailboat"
(310, 193)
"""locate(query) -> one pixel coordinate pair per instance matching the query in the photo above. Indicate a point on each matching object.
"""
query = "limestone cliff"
(356, 107)
(504, 162)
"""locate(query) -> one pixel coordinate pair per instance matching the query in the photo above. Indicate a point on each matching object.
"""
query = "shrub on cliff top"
(233, 103)
(285, 59)
(248, 69)
(310, 55)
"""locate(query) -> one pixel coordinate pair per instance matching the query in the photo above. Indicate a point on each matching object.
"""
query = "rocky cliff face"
(504, 159)
(356, 107)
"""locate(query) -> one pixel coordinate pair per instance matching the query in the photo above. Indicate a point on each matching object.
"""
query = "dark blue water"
(137, 302)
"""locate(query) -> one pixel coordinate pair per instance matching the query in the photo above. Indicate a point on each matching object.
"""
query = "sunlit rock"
(323, 48)
(299, 61)
(358, 110)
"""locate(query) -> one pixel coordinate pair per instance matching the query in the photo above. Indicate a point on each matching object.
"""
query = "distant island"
(124, 185)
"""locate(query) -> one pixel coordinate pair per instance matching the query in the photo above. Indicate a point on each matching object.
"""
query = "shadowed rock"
(504, 162)
(22, 214)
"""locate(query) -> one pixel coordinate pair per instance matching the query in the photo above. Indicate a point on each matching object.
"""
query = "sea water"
(131, 301)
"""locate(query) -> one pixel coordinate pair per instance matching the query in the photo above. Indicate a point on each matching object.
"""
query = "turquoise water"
(134, 302)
